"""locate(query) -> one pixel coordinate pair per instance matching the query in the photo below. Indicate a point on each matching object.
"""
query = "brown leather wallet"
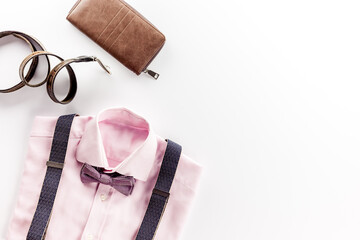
(120, 30)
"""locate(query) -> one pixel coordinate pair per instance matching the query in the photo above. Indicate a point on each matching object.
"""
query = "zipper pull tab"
(152, 74)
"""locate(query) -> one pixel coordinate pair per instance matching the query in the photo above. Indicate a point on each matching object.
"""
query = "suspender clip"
(161, 193)
(55, 164)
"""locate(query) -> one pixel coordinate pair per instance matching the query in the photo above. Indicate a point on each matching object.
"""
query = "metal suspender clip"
(159, 192)
(55, 164)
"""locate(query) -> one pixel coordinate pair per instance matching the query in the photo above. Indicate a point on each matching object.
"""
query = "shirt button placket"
(98, 213)
(103, 197)
(89, 237)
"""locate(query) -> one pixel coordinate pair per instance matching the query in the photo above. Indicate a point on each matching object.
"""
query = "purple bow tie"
(123, 184)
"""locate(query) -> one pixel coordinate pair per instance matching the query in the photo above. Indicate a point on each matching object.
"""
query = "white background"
(264, 94)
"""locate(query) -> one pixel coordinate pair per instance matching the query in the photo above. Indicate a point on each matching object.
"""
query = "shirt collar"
(91, 149)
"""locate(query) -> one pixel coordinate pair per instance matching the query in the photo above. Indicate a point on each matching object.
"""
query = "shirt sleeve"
(182, 196)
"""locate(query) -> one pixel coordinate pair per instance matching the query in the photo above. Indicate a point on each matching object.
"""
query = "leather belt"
(37, 51)
(73, 85)
(34, 45)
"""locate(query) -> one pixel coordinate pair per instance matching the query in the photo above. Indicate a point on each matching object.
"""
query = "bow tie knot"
(105, 179)
(123, 184)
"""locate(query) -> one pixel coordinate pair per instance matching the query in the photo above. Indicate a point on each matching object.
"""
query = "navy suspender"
(160, 193)
(158, 200)
(52, 178)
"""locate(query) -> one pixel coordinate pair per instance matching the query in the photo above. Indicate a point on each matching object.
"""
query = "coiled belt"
(39, 50)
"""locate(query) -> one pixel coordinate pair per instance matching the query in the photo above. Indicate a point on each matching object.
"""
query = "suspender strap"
(52, 178)
(160, 193)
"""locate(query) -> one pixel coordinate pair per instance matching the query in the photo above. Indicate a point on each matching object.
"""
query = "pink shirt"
(117, 140)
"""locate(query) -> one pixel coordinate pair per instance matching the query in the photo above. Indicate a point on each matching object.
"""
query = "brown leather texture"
(120, 30)
(34, 45)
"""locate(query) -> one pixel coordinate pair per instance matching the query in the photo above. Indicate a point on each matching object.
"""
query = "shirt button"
(103, 197)
(89, 237)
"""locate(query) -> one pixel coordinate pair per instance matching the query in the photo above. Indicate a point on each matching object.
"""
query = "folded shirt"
(118, 141)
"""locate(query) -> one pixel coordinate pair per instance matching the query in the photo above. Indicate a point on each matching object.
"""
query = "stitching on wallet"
(122, 32)
(149, 24)
(105, 28)
(117, 25)
(139, 15)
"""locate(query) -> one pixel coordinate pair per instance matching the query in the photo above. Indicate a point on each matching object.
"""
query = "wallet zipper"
(153, 74)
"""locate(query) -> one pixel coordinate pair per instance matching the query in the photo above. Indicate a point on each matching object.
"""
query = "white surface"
(264, 94)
